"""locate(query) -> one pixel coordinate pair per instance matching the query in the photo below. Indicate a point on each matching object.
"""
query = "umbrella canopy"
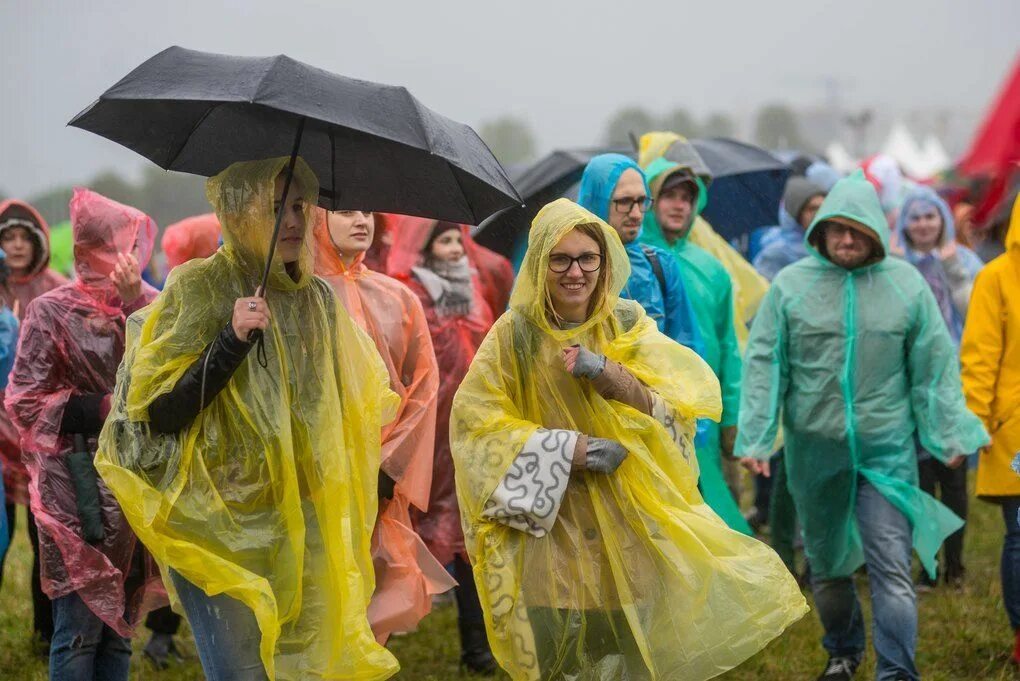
(745, 187)
(373, 147)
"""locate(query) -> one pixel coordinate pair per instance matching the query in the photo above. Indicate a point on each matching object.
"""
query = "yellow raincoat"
(990, 352)
(602, 576)
(749, 287)
(270, 495)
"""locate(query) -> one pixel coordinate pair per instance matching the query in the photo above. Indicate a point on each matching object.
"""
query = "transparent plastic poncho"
(407, 575)
(71, 344)
(270, 495)
(638, 577)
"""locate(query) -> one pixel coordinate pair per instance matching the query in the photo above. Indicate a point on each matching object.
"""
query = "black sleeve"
(82, 414)
(175, 410)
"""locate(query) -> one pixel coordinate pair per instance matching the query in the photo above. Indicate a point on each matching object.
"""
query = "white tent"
(935, 156)
(840, 158)
(902, 146)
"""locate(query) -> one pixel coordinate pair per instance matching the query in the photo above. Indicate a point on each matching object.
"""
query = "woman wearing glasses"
(572, 434)
(431, 259)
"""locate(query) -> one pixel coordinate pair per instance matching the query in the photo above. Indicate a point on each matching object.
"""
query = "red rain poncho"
(456, 339)
(72, 341)
(495, 274)
(21, 291)
(407, 575)
(194, 237)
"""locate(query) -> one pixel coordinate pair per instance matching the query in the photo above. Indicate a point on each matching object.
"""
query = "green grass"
(963, 636)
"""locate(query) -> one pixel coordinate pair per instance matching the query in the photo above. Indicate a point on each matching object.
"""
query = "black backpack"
(653, 260)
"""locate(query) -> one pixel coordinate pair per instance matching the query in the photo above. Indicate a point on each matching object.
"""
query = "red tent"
(995, 150)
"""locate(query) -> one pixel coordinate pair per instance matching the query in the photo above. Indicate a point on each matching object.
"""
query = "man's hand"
(127, 278)
(756, 466)
(728, 440)
(956, 461)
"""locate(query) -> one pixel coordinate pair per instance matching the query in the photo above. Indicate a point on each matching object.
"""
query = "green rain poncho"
(856, 363)
(270, 495)
(711, 292)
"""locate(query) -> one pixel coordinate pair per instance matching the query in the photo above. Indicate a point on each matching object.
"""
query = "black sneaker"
(840, 668)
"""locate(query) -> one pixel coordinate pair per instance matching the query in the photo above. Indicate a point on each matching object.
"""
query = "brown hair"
(595, 233)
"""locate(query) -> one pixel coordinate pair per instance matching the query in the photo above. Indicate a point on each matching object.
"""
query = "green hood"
(853, 198)
(657, 172)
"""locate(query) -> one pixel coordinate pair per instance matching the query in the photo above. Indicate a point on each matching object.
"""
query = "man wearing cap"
(785, 245)
(849, 352)
(613, 187)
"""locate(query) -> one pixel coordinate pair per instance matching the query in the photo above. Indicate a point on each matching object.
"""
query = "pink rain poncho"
(194, 237)
(407, 575)
(72, 341)
(495, 274)
(20, 291)
(456, 338)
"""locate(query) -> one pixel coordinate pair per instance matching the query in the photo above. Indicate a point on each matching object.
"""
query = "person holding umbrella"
(407, 575)
(430, 257)
(253, 477)
(573, 434)
(95, 571)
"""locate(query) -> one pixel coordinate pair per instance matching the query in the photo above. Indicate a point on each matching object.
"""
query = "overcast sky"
(563, 66)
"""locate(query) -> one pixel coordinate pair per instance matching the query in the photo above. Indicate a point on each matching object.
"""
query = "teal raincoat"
(711, 292)
(855, 363)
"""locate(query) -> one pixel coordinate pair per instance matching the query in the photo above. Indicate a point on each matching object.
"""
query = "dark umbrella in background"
(745, 186)
(372, 146)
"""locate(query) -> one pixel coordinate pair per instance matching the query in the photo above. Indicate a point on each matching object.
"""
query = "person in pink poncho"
(95, 571)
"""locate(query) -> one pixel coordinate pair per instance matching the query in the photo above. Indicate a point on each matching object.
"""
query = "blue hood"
(599, 180)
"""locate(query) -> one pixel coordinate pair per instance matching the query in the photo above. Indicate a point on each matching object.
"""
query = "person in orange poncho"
(431, 258)
(407, 575)
(190, 238)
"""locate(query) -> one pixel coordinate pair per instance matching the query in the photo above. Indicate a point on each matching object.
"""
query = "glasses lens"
(590, 262)
(559, 263)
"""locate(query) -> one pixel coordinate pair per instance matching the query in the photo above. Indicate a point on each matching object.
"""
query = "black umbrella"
(373, 147)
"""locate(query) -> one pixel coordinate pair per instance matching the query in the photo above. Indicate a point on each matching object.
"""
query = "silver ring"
(252, 305)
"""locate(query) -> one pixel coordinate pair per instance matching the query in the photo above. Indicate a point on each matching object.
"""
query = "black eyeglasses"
(588, 262)
(626, 205)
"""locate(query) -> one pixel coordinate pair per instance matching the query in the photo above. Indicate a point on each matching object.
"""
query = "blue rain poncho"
(854, 363)
(668, 305)
(952, 279)
(711, 291)
(784, 245)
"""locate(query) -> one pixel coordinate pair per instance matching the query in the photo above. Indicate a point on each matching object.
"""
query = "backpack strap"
(653, 260)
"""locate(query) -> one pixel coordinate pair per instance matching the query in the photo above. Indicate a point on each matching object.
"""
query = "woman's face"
(448, 246)
(924, 226)
(292, 224)
(351, 230)
(20, 249)
(573, 272)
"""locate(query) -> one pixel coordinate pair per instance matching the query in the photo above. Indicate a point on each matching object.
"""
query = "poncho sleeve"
(680, 320)
(945, 426)
(766, 377)
(729, 352)
(509, 469)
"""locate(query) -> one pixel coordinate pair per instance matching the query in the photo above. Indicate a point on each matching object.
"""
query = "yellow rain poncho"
(583, 575)
(270, 495)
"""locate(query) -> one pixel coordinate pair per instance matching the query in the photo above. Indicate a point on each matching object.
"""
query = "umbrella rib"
(187, 138)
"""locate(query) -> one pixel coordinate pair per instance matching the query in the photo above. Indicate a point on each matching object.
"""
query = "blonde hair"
(595, 233)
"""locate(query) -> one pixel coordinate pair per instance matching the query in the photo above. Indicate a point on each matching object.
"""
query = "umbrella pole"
(283, 203)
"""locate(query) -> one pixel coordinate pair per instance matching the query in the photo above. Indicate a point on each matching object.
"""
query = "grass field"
(963, 636)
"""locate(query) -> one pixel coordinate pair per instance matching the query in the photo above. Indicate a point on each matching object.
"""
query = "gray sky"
(564, 66)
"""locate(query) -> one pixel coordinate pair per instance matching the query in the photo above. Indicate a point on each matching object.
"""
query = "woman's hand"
(250, 314)
(127, 278)
(582, 362)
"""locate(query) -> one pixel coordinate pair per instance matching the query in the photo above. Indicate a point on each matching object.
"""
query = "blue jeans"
(886, 539)
(226, 633)
(83, 647)
(1010, 565)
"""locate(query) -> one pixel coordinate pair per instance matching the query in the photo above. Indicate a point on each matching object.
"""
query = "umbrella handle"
(256, 335)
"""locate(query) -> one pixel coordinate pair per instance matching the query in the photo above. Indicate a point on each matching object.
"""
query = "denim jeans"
(84, 648)
(1010, 565)
(226, 633)
(886, 539)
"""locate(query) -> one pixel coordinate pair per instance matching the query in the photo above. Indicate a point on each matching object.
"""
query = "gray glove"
(604, 456)
(588, 365)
